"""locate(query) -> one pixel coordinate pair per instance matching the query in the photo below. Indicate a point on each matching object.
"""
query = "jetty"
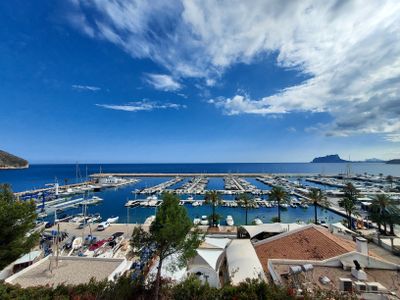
(100, 175)
(162, 186)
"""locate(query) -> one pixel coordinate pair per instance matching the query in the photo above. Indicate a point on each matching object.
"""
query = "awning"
(29, 257)
(243, 262)
(253, 230)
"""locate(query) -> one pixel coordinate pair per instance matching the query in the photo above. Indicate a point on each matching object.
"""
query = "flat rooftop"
(70, 270)
(390, 279)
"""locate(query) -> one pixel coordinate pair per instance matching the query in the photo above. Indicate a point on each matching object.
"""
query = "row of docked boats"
(154, 201)
(81, 220)
(159, 188)
(196, 185)
(204, 220)
(61, 204)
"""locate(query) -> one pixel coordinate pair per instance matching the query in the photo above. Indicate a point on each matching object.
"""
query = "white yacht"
(257, 221)
(304, 205)
(77, 243)
(113, 219)
(196, 221)
(229, 220)
(204, 220)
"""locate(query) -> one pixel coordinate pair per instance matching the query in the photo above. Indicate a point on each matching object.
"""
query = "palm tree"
(350, 208)
(351, 192)
(246, 201)
(318, 198)
(384, 211)
(213, 198)
(389, 179)
(279, 195)
(393, 217)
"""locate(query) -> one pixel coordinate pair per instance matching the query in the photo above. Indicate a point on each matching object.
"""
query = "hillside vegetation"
(9, 161)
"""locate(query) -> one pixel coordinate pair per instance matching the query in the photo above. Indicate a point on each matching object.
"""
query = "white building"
(207, 264)
(243, 262)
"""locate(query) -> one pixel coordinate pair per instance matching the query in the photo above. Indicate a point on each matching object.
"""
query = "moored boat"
(229, 220)
(77, 243)
(304, 205)
(196, 221)
(204, 220)
(257, 221)
(113, 219)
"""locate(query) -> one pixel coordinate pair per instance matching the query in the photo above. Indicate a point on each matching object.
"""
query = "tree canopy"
(350, 192)
(17, 219)
(246, 201)
(170, 233)
(278, 194)
(318, 198)
(350, 208)
(384, 211)
(213, 198)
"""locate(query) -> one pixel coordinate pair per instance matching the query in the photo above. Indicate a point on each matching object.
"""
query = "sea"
(38, 175)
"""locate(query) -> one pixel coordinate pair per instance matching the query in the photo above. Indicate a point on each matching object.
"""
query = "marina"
(134, 197)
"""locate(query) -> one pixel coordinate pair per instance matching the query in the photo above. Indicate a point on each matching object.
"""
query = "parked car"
(103, 225)
(49, 224)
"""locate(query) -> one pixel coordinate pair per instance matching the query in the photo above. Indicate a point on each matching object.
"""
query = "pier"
(100, 175)
(197, 185)
(62, 188)
(162, 186)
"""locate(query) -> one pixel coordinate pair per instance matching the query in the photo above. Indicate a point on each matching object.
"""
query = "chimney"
(362, 245)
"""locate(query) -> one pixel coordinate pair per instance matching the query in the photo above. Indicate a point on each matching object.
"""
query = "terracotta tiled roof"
(310, 243)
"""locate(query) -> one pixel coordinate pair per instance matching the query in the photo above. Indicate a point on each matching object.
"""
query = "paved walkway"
(383, 253)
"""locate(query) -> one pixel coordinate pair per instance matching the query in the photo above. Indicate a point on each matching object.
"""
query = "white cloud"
(394, 137)
(142, 106)
(163, 82)
(349, 50)
(86, 88)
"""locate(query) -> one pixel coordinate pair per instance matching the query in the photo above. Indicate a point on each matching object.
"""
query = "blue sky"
(199, 81)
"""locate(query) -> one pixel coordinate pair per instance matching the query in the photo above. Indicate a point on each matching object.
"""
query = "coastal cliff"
(334, 158)
(9, 161)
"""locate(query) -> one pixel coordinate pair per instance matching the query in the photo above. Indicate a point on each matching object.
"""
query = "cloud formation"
(86, 88)
(142, 106)
(349, 50)
(163, 82)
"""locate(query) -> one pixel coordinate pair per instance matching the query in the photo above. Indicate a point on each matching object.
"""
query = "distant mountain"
(334, 158)
(9, 161)
(373, 160)
(393, 161)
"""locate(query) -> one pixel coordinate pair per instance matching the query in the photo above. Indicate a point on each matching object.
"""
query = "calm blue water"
(38, 175)
(114, 199)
